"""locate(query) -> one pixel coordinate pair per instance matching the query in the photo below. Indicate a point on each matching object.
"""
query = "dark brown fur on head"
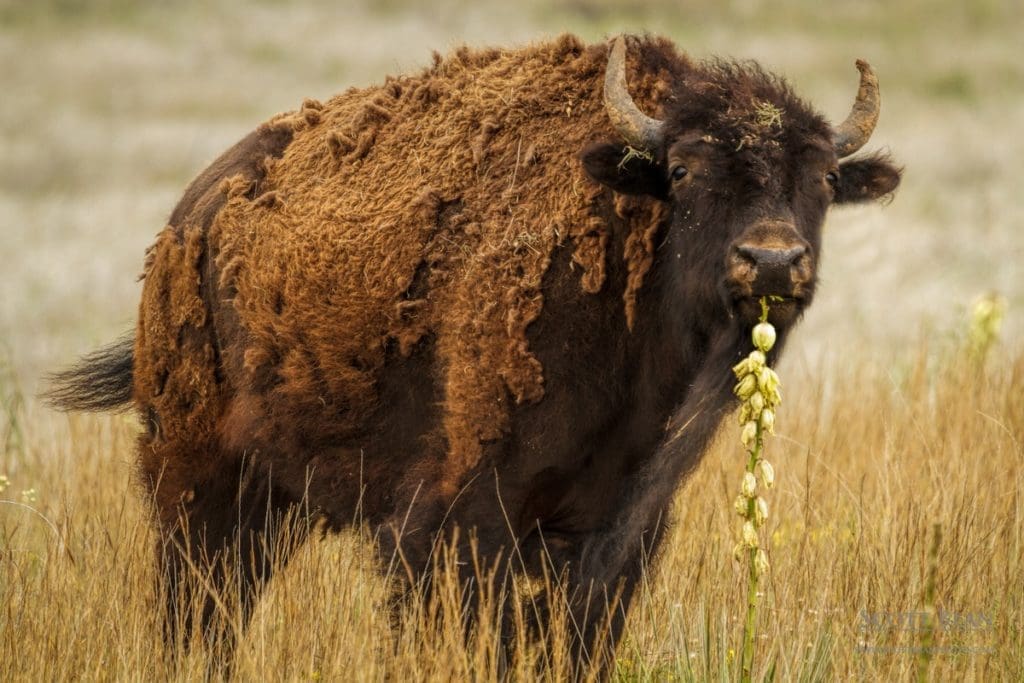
(755, 159)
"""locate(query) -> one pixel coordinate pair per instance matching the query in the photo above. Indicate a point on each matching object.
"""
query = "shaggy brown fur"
(414, 303)
(467, 180)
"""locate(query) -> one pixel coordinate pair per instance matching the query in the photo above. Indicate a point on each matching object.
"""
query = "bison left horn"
(853, 133)
(638, 129)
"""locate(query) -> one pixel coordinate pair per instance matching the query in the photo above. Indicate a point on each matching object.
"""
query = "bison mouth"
(783, 309)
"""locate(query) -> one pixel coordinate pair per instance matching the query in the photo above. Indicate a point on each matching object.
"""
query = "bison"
(495, 295)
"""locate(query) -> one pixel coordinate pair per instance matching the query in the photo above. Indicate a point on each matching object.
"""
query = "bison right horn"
(638, 129)
(853, 133)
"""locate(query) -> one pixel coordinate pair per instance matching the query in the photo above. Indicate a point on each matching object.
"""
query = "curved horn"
(853, 133)
(638, 129)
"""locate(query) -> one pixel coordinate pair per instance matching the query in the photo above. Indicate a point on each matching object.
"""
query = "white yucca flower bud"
(749, 433)
(744, 415)
(760, 511)
(757, 360)
(742, 368)
(749, 535)
(767, 419)
(761, 562)
(737, 552)
(767, 473)
(740, 505)
(763, 335)
(767, 380)
(746, 387)
(756, 403)
(749, 487)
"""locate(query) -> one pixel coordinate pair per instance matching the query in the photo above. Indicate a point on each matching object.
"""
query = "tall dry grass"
(871, 453)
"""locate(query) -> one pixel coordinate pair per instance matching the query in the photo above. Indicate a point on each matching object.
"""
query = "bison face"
(750, 172)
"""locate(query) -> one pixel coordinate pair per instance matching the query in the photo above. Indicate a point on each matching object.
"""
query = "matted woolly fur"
(426, 207)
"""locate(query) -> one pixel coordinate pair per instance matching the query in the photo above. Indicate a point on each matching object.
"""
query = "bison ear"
(867, 179)
(613, 166)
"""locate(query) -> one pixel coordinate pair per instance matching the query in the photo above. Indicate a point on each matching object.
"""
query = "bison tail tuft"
(100, 381)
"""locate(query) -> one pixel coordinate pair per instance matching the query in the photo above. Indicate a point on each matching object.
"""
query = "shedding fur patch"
(426, 208)
(174, 356)
(645, 217)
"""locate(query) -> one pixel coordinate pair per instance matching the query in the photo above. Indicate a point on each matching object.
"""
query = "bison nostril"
(791, 256)
(748, 253)
(771, 257)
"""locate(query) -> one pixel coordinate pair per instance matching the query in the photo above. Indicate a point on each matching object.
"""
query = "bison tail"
(99, 381)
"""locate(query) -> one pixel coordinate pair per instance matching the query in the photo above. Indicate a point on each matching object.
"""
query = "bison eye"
(679, 172)
(832, 178)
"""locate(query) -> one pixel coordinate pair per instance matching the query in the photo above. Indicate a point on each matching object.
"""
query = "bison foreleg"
(611, 560)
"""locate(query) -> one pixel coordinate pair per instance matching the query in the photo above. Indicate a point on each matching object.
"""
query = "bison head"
(750, 171)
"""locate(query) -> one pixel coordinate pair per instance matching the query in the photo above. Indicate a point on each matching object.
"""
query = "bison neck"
(608, 393)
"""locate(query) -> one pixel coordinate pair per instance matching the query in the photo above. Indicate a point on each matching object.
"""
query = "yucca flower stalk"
(757, 387)
(986, 319)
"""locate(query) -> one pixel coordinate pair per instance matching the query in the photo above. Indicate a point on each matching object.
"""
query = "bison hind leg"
(221, 540)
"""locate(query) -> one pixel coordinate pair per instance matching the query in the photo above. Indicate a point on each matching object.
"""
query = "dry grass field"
(871, 454)
(889, 431)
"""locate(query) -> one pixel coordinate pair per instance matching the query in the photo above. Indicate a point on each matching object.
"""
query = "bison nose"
(771, 258)
(771, 270)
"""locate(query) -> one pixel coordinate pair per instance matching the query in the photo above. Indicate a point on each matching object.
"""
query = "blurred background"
(110, 107)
